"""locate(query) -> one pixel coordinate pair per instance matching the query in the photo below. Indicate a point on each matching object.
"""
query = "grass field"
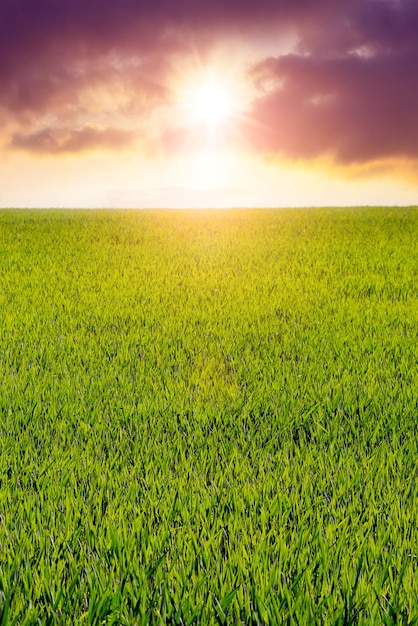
(209, 417)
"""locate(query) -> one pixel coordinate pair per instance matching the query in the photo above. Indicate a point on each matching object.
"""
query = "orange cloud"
(59, 141)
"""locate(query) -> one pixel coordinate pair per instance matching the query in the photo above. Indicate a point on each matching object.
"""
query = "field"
(209, 417)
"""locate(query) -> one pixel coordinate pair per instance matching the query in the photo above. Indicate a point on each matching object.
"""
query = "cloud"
(352, 96)
(52, 141)
(354, 108)
(50, 48)
(348, 89)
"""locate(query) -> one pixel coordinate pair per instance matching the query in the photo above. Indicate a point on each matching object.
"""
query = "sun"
(207, 98)
(209, 107)
(211, 103)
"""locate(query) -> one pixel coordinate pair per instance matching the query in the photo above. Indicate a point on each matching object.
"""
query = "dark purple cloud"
(348, 89)
(354, 108)
(351, 94)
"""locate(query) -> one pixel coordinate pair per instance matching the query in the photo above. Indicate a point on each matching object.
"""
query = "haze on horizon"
(208, 103)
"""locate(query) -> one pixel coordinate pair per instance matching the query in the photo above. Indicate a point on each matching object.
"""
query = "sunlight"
(210, 97)
(211, 103)
(207, 170)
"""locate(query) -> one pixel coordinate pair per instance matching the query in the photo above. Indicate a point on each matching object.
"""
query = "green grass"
(209, 417)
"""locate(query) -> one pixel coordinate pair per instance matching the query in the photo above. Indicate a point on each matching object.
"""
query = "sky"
(208, 103)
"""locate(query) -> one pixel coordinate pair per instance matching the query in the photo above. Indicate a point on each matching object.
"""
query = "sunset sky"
(180, 103)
